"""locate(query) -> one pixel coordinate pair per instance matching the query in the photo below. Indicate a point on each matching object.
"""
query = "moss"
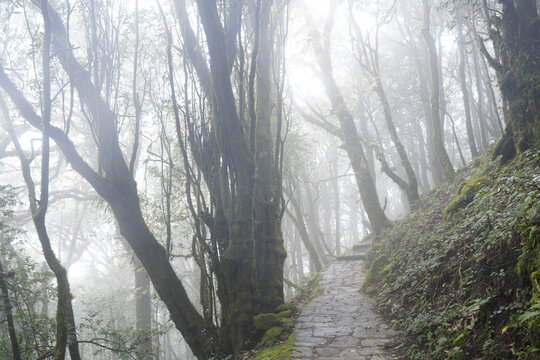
(285, 314)
(286, 323)
(266, 321)
(375, 274)
(284, 307)
(465, 194)
(388, 273)
(279, 352)
(528, 265)
(271, 335)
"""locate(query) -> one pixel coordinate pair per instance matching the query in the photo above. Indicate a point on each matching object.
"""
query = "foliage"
(28, 288)
(106, 337)
(466, 286)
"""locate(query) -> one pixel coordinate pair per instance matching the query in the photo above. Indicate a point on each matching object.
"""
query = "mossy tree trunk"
(270, 252)
(238, 263)
(515, 33)
(241, 166)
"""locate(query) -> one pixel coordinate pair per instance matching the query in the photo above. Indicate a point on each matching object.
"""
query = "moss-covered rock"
(266, 321)
(528, 266)
(285, 307)
(286, 323)
(375, 274)
(285, 314)
(271, 335)
(464, 195)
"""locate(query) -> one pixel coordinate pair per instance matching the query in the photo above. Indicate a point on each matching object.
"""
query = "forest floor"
(340, 323)
(459, 275)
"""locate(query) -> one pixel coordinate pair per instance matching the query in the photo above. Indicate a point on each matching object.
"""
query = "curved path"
(341, 322)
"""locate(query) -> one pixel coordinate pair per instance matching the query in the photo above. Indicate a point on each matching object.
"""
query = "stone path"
(341, 323)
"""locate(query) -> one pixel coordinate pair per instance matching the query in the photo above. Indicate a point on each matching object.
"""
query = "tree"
(368, 59)
(66, 335)
(437, 128)
(463, 81)
(244, 212)
(118, 188)
(348, 132)
(515, 34)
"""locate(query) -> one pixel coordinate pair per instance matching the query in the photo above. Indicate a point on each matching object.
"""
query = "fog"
(333, 113)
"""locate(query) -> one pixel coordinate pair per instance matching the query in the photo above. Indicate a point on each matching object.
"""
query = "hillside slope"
(460, 275)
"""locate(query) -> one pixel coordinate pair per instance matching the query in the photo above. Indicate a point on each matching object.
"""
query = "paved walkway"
(341, 323)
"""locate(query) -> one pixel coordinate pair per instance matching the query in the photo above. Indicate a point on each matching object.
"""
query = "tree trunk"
(463, 82)
(434, 165)
(515, 36)
(143, 312)
(269, 247)
(350, 137)
(298, 221)
(337, 201)
(480, 102)
(437, 131)
(15, 349)
(411, 188)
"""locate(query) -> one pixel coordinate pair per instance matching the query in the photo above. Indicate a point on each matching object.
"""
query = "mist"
(171, 169)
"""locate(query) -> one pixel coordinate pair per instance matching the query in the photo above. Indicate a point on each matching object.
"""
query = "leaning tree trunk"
(349, 135)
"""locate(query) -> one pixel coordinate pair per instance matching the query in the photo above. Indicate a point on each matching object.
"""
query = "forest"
(172, 172)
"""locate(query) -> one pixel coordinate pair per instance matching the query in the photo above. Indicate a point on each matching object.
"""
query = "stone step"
(360, 247)
(352, 257)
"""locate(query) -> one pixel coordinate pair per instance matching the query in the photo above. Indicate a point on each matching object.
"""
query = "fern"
(531, 314)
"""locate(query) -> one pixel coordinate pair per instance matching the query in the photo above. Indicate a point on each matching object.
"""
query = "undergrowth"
(465, 284)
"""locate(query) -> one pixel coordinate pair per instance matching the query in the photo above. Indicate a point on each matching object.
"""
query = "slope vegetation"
(460, 275)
